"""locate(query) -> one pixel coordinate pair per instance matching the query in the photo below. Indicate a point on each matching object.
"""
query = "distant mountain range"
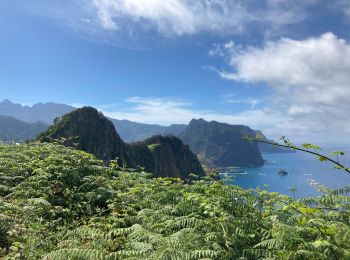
(134, 132)
(12, 129)
(41, 112)
(25, 122)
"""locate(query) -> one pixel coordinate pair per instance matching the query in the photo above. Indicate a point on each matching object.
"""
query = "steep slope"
(133, 132)
(88, 130)
(12, 129)
(221, 144)
(165, 155)
(44, 112)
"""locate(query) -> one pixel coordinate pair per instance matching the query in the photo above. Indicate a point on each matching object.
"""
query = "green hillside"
(60, 203)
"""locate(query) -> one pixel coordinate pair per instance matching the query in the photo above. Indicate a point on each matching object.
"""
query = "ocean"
(302, 169)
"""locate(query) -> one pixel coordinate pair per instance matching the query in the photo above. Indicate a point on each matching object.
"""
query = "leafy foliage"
(60, 203)
(307, 148)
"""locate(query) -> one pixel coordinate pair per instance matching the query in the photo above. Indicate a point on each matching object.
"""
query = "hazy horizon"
(343, 145)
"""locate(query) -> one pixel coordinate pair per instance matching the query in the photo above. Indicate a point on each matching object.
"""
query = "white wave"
(240, 173)
(270, 162)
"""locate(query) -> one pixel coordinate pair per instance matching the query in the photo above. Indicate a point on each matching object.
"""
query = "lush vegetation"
(60, 203)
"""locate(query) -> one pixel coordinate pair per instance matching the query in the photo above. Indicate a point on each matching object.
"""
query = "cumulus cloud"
(310, 77)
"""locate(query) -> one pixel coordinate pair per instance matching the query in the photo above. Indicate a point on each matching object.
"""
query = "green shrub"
(60, 203)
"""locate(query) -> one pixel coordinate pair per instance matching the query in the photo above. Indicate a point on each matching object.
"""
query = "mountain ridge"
(45, 112)
(89, 130)
(13, 129)
(221, 144)
(129, 131)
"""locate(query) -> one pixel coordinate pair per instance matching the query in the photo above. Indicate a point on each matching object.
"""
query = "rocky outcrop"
(88, 130)
(222, 145)
(166, 156)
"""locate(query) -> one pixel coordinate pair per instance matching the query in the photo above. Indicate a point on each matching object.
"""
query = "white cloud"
(172, 16)
(310, 79)
(184, 17)
(165, 111)
(136, 23)
(273, 122)
(233, 99)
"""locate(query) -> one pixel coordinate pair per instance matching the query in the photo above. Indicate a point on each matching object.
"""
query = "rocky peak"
(221, 144)
(90, 131)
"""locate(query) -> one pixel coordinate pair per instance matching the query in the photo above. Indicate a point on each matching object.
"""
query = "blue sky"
(276, 65)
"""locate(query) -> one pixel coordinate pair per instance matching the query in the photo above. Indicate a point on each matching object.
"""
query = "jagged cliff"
(221, 144)
(88, 130)
(165, 155)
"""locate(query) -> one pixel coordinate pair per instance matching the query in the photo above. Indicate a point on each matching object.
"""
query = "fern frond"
(76, 254)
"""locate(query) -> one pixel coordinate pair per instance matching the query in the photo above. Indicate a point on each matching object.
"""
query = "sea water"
(303, 169)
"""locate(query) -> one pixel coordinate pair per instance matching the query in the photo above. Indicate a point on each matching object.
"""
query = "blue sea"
(302, 169)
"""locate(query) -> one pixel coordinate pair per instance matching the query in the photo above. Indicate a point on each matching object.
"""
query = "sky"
(276, 65)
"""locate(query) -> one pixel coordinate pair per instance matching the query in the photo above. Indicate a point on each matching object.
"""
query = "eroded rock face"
(221, 144)
(166, 156)
(88, 130)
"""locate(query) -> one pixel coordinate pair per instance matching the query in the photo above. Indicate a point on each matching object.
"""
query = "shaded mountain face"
(12, 129)
(44, 112)
(221, 144)
(88, 130)
(166, 156)
(133, 132)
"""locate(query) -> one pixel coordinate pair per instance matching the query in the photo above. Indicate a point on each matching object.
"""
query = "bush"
(59, 203)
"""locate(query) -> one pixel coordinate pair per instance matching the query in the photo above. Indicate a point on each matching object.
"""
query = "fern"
(76, 254)
(59, 203)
